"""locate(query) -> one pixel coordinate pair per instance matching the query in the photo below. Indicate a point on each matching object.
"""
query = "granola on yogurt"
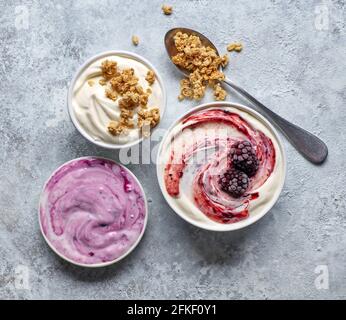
(123, 86)
(150, 77)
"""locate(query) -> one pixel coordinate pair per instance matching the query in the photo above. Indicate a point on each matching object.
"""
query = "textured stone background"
(292, 61)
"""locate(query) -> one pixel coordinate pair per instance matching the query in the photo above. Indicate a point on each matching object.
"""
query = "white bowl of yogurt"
(195, 153)
(91, 111)
(93, 212)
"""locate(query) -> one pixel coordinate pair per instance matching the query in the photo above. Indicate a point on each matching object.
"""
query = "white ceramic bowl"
(103, 264)
(214, 226)
(82, 69)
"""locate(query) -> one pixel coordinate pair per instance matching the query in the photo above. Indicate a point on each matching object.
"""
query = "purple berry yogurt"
(92, 211)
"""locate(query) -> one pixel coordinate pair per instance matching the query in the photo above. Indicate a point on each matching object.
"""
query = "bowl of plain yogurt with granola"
(116, 99)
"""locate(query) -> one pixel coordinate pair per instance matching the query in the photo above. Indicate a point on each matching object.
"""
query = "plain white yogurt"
(93, 110)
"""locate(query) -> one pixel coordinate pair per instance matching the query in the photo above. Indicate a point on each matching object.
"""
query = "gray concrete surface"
(293, 60)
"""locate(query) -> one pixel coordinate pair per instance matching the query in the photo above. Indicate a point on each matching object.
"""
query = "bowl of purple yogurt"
(93, 211)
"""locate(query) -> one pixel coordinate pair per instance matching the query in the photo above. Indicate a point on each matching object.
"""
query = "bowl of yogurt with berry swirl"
(92, 212)
(221, 166)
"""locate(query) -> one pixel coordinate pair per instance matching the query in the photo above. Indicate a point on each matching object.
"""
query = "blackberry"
(234, 182)
(244, 157)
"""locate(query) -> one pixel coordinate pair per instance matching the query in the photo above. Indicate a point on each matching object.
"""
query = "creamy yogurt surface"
(93, 110)
(92, 211)
(194, 154)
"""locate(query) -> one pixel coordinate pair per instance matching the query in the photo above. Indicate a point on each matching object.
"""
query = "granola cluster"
(219, 93)
(235, 47)
(203, 63)
(150, 77)
(109, 69)
(148, 119)
(167, 10)
(135, 40)
(133, 99)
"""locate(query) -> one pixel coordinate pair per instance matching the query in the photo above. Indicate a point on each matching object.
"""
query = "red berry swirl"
(207, 193)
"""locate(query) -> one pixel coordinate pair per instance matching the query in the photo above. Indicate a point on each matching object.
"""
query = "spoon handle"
(311, 147)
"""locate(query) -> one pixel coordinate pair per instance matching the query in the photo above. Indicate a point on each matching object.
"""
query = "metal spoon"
(311, 147)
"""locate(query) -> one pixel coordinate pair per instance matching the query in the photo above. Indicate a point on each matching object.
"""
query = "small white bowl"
(214, 226)
(103, 264)
(82, 69)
